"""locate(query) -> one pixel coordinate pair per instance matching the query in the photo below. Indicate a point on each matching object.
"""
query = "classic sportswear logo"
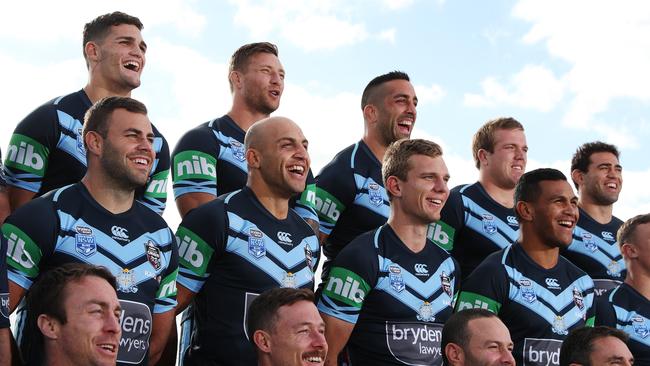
(347, 287)
(552, 283)
(329, 208)
(284, 237)
(27, 154)
(512, 220)
(607, 236)
(120, 232)
(194, 165)
(193, 252)
(421, 269)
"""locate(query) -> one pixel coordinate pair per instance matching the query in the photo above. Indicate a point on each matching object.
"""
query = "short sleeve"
(486, 287)
(333, 193)
(194, 163)
(452, 219)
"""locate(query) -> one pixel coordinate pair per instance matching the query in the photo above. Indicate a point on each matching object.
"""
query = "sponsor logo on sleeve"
(414, 343)
(194, 253)
(374, 191)
(346, 286)
(441, 234)
(22, 253)
(135, 320)
(157, 186)
(84, 241)
(256, 246)
(194, 164)
(167, 285)
(470, 300)
(328, 207)
(489, 226)
(541, 352)
(603, 286)
(27, 154)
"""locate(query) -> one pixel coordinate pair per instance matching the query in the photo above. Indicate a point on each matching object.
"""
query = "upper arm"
(485, 288)
(333, 193)
(194, 164)
(184, 296)
(190, 201)
(155, 193)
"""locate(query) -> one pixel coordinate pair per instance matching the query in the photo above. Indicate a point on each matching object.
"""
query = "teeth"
(109, 347)
(406, 123)
(517, 167)
(140, 161)
(612, 185)
(297, 168)
(132, 65)
(315, 359)
(565, 223)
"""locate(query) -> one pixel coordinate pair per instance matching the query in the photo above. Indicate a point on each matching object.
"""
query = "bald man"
(246, 242)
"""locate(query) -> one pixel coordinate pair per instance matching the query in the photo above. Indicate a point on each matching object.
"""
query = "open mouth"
(405, 125)
(566, 223)
(132, 65)
(275, 93)
(517, 167)
(435, 201)
(314, 359)
(298, 170)
(108, 347)
(612, 185)
(143, 162)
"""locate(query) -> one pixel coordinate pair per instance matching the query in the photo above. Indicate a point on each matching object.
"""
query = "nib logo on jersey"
(194, 165)
(193, 252)
(328, 207)
(441, 234)
(541, 352)
(415, 343)
(27, 154)
(346, 287)
(135, 320)
(22, 252)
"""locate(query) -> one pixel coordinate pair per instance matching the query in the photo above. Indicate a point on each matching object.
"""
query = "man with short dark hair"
(5, 333)
(286, 329)
(627, 307)
(479, 218)
(244, 243)
(75, 314)
(597, 174)
(538, 294)
(597, 346)
(99, 221)
(392, 283)
(476, 337)
(349, 194)
(47, 150)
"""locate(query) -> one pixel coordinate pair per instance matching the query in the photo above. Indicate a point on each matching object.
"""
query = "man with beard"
(244, 243)
(479, 218)
(47, 151)
(627, 307)
(392, 283)
(538, 294)
(98, 221)
(286, 329)
(476, 337)
(349, 194)
(597, 174)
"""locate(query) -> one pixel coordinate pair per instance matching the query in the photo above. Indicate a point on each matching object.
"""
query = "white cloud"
(429, 94)
(534, 87)
(607, 45)
(397, 4)
(387, 35)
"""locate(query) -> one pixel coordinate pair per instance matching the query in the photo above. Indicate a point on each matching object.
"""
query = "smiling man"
(77, 314)
(349, 194)
(538, 294)
(47, 149)
(598, 176)
(98, 221)
(479, 218)
(244, 243)
(392, 284)
(286, 329)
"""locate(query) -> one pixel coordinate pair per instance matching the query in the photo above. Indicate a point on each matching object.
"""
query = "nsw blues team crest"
(84, 241)
(395, 278)
(237, 150)
(256, 246)
(527, 292)
(614, 269)
(640, 327)
(126, 281)
(589, 242)
(374, 191)
(425, 312)
(558, 326)
(489, 226)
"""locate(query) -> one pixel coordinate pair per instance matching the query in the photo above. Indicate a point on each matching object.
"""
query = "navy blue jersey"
(595, 250)
(136, 246)
(397, 299)
(232, 249)
(473, 225)
(4, 288)
(539, 306)
(211, 158)
(46, 151)
(3, 182)
(626, 309)
(350, 198)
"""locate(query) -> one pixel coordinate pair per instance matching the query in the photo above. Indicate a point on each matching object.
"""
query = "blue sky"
(570, 71)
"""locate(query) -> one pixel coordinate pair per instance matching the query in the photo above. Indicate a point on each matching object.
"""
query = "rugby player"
(46, 150)
(392, 283)
(596, 346)
(98, 221)
(244, 243)
(5, 333)
(5, 208)
(538, 294)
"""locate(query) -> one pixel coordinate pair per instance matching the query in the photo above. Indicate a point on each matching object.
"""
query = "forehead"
(397, 87)
(609, 346)
(283, 129)
(426, 164)
(488, 329)
(260, 59)
(298, 313)
(602, 157)
(504, 136)
(89, 288)
(121, 120)
(124, 30)
(552, 188)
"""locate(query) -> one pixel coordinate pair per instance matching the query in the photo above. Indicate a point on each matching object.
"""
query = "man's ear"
(235, 78)
(253, 158)
(49, 326)
(629, 250)
(94, 142)
(454, 354)
(577, 177)
(482, 155)
(393, 186)
(524, 211)
(370, 113)
(262, 340)
(91, 49)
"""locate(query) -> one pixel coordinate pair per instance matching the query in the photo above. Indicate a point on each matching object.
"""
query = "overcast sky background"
(570, 71)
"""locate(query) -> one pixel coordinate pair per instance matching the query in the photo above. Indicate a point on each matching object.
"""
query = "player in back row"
(46, 150)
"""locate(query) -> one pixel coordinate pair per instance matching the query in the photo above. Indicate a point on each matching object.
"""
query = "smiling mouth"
(297, 169)
(314, 359)
(612, 185)
(434, 201)
(132, 65)
(108, 347)
(275, 93)
(566, 223)
(141, 161)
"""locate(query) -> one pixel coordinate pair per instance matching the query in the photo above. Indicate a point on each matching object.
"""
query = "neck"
(109, 195)
(410, 231)
(97, 91)
(243, 116)
(638, 280)
(278, 206)
(505, 197)
(540, 252)
(602, 214)
(378, 149)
